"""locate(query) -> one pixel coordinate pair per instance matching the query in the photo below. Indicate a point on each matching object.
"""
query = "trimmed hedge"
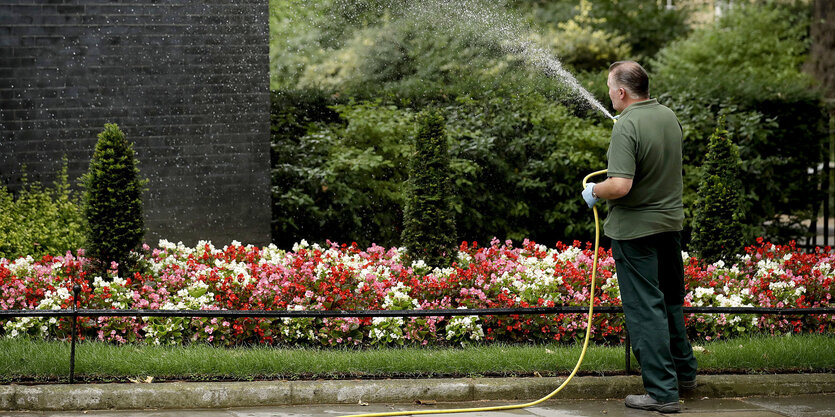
(717, 227)
(113, 200)
(429, 223)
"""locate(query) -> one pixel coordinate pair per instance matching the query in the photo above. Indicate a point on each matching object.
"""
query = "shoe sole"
(661, 408)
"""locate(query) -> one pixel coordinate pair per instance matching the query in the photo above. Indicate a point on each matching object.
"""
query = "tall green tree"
(746, 67)
(717, 227)
(821, 53)
(429, 221)
(112, 201)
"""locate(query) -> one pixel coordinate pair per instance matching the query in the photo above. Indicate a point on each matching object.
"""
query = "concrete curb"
(179, 395)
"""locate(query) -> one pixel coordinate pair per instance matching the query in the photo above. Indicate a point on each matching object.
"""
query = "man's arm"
(613, 188)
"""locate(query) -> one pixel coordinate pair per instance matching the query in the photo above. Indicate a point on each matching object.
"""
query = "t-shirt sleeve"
(622, 153)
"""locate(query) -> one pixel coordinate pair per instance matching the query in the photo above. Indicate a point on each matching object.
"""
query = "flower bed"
(344, 277)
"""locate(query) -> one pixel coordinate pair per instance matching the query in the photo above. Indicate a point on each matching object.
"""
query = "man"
(643, 189)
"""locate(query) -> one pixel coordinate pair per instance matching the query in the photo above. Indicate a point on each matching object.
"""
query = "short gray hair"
(632, 77)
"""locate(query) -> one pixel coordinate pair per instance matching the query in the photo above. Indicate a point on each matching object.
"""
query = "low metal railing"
(75, 312)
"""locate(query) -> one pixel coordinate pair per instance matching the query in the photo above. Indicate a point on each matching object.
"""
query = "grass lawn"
(39, 361)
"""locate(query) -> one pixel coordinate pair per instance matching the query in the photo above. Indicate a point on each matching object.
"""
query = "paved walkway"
(817, 405)
(743, 395)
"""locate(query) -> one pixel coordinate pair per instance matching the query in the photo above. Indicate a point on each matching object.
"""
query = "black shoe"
(687, 385)
(645, 402)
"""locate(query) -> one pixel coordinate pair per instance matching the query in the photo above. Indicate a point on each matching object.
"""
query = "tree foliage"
(520, 141)
(515, 165)
(39, 221)
(429, 222)
(717, 227)
(113, 200)
(747, 69)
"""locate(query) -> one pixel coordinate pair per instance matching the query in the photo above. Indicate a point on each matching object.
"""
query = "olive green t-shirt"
(646, 146)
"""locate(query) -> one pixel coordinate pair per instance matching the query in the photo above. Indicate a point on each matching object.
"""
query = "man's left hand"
(588, 195)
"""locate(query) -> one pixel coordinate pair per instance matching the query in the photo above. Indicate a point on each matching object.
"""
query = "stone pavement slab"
(229, 395)
(759, 406)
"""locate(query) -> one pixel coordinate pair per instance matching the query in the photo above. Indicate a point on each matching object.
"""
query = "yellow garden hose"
(576, 367)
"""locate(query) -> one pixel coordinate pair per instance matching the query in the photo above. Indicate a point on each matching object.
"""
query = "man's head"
(628, 83)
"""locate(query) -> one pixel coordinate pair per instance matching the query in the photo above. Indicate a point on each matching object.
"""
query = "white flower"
(799, 290)
(419, 264)
(21, 266)
(300, 245)
(464, 327)
(569, 254)
(824, 268)
(780, 285)
(397, 298)
(702, 292)
(165, 244)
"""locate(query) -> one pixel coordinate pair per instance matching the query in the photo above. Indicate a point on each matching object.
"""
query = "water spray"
(576, 367)
(496, 26)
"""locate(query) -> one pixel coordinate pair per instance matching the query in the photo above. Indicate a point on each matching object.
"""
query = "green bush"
(519, 162)
(516, 164)
(717, 227)
(304, 33)
(429, 223)
(581, 45)
(647, 27)
(423, 59)
(113, 200)
(338, 169)
(40, 221)
(747, 69)
(403, 60)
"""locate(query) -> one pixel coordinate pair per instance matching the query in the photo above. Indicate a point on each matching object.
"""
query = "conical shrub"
(717, 227)
(428, 221)
(112, 201)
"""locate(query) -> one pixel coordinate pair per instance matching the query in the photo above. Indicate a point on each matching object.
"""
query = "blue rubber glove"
(587, 195)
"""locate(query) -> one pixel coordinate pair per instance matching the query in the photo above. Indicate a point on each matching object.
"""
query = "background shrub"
(39, 221)
(516, 162)
(747, 69)
(113, 200)
(581, 44)
(717, 227)
(647, 27)
(429, 225)
(520, 141)
(338, 171)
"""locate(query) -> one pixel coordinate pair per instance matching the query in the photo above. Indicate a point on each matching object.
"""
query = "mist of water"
(495, 24)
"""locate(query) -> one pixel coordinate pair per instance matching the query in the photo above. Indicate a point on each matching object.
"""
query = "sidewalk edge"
(192, 395)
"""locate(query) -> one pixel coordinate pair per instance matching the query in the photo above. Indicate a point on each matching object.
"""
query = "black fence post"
(825, 186)
(76, 289)
(628, 357)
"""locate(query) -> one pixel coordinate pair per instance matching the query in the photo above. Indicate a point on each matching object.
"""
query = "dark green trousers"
(651, 280)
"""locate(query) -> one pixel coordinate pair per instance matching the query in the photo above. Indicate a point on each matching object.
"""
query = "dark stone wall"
(188, 82)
